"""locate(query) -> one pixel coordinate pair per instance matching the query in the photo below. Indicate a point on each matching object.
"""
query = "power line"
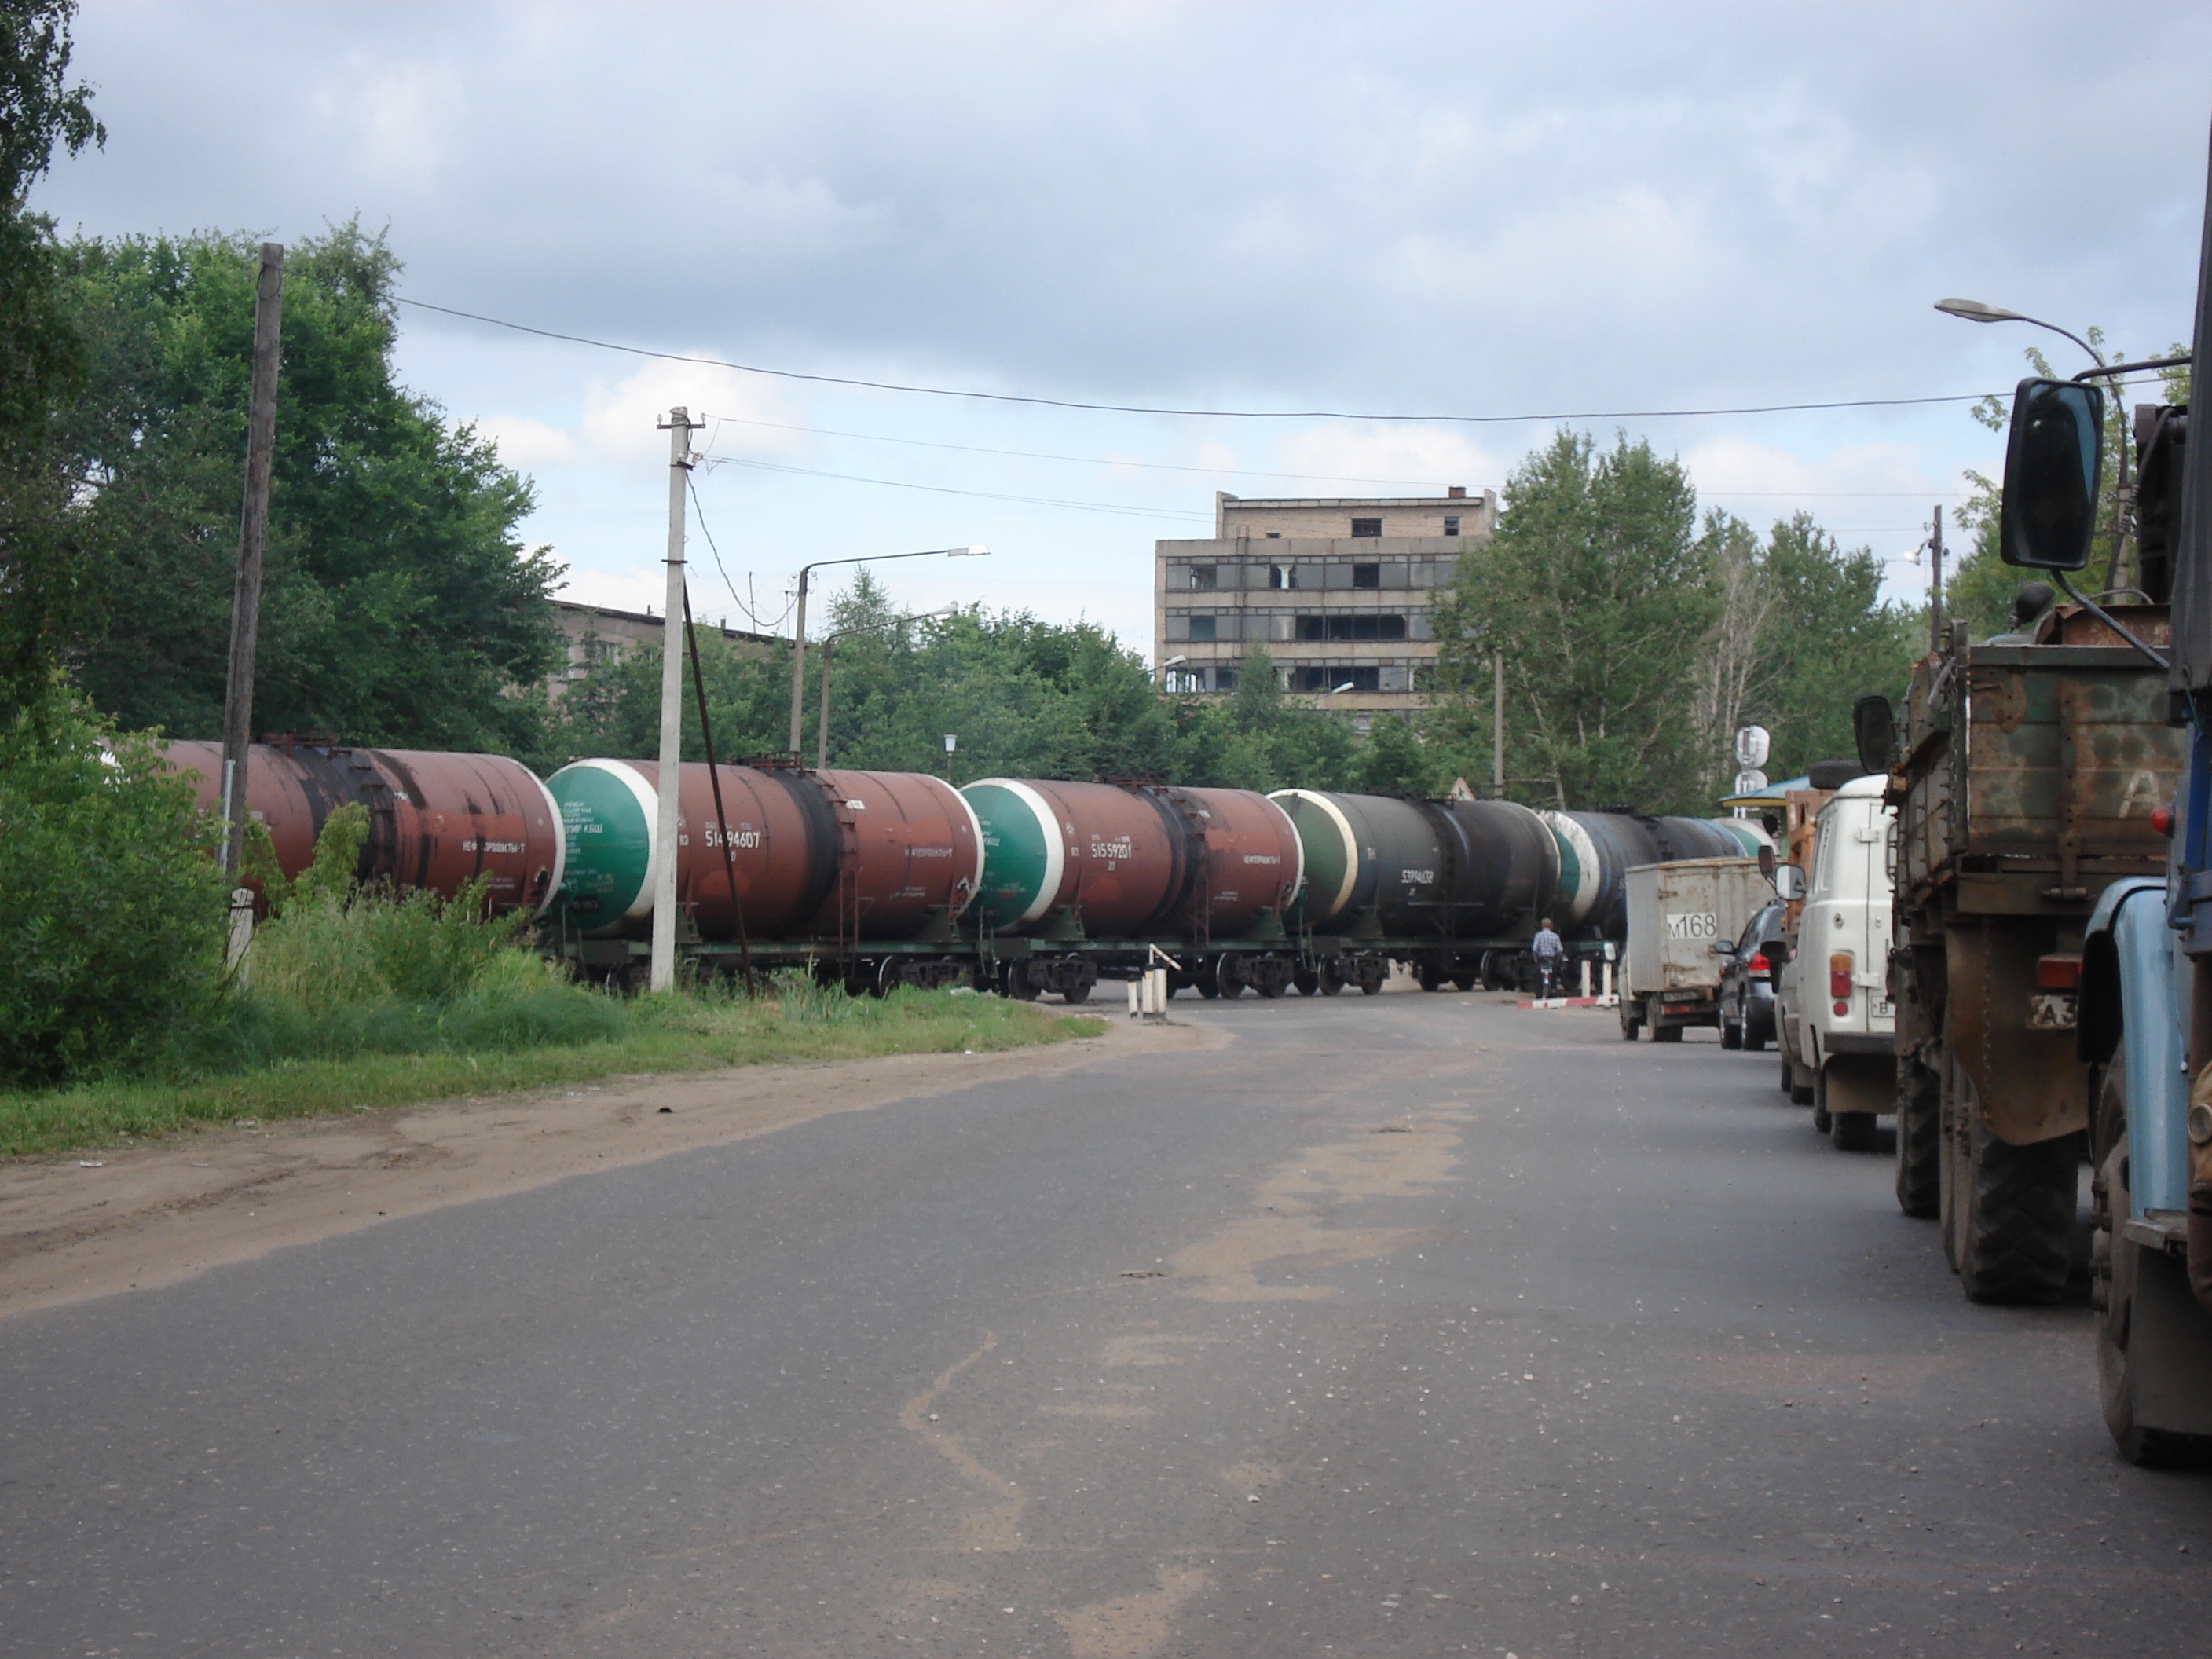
(765, 627)
(1204, 414)
(722, 420)
(715, 461)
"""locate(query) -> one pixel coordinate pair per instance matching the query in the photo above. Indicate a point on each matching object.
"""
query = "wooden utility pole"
(252, 544)
(1935, 585)
(668, 830)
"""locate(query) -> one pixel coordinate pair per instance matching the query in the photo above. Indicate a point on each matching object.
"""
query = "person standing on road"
(1547, 947)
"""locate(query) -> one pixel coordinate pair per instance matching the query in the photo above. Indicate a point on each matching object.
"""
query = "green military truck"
(2024, 779)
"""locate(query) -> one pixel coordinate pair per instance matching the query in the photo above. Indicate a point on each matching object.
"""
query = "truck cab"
(1834, 984)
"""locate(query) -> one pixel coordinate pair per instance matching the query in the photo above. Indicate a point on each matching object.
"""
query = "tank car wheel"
(1466, 981)
(1271, 988)
(1228, 978)
(1919, 1140)
(1431, 979)
(1307, 981)
(1015, 981)
(1206, 987)
(1076, 978)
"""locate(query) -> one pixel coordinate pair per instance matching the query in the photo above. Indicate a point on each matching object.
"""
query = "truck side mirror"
(1725, 948)
(1766, 862)
(1789, 882)
(1874, 723)
(2054, 462)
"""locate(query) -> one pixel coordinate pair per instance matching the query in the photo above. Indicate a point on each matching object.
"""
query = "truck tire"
(1660, 1032)
(2015, 1237)
(1731, 1034)
(2137, 1361)
(1919, 1141)
(1630, 1024)
(1789, 1075)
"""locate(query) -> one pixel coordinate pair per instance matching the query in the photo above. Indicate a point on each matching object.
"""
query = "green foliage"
(112, 917)
(46, 577)
(1597, 590)
(40, 111)
(397, 605)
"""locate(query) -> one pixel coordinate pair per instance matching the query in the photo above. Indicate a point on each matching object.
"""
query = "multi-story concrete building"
(1338, 592)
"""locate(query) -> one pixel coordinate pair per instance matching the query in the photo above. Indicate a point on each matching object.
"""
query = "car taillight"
(2058, 973)
(1839, 978)
(1758, 963)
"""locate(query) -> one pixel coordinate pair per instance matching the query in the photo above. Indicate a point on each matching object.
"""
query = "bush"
(113, 913)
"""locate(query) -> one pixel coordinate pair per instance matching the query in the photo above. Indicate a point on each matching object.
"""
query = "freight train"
(1024, 886)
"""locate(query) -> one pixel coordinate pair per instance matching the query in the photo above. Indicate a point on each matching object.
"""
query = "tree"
(397, 607)
(45, 579)
(1832, 640)
(1597, 590)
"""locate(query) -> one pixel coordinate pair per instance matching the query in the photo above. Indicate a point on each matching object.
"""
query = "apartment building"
(1338, 592)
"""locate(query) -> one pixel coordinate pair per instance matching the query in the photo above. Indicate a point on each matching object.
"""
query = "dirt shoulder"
(151, 1216)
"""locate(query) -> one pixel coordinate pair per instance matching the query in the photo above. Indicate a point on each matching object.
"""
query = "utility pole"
(1498, 727)
(253, 544)
(798, 662)
(679, 427)
(1935, 585)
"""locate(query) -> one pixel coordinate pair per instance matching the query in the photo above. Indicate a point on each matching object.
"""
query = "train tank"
(1421, 870)
(1081, 876)
(839, 857)
(436, 821)
(1128, 861)
(1598, 849)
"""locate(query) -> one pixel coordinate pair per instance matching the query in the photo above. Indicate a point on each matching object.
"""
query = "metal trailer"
(2023, 785)
(1678, 914)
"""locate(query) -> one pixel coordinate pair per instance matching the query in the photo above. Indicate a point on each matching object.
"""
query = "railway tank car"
(436, 821)
(1080, 877)
(1436, 883)
(867, 869)
(1598, 849)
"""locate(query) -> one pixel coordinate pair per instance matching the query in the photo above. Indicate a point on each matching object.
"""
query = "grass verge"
(652, 1033)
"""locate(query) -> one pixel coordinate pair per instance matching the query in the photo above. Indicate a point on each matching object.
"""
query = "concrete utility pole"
(1497, 728)
(1935, 585)
(679, 427)
(253, 544)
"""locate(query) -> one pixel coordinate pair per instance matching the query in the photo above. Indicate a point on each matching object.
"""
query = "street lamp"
(1974, 310)
(821, 729)
(799, 630)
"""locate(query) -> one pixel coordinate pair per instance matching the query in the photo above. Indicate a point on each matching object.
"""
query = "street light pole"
(799, 627)
(829, 642)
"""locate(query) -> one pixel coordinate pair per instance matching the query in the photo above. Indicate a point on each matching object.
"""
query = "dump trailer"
(2023, 785)
(1678, 914)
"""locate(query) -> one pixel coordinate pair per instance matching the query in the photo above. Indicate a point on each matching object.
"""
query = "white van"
(1835, 983)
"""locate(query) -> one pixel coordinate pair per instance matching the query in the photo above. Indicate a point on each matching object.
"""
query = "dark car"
(1747, 980)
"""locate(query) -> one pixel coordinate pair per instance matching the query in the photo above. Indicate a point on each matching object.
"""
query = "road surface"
(1404, 1325)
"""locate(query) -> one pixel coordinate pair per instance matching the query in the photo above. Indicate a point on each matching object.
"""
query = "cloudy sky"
(1526, 212)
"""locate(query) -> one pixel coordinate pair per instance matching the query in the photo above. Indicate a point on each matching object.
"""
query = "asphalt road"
(1408, 1325)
